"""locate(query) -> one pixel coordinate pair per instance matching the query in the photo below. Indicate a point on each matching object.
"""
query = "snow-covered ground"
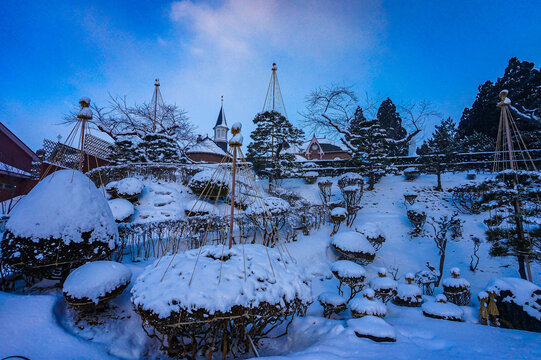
(41, 326)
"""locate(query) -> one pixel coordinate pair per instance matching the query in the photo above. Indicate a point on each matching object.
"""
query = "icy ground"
(40, 326)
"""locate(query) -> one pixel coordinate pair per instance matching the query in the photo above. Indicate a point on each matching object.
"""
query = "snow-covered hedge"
(96, 282)
(353, 246)
(206, 183)
(65, 220)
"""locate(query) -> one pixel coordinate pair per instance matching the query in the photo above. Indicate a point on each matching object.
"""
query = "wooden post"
(234, 170)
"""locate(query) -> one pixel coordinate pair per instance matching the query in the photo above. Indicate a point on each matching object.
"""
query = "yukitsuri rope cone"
(63, 222)
(221, 299)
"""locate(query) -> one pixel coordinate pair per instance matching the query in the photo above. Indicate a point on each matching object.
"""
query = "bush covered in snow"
(206, 184)
(63, 222)
(232, 294)
(417, 216)
(311, 177)
(383, 285)
(408, 294)
(122, 209)
(373, 328)
(373, 233)
(331, 303)
(411, 173)
(367, 305)
(349, 273)
(441, 309)
(457, 289)
(353, 246)
(128, 188)
(96, 282)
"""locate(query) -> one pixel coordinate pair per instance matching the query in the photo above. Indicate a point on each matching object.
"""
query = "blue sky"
(52, 53)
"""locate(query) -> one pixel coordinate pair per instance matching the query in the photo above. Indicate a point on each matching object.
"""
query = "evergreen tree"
(477, 142)
(159, 148)
(524, 84)
(513, 232)
(273, 131)
(125, 150)
(370, 143)
(440, 148)
(391, 121)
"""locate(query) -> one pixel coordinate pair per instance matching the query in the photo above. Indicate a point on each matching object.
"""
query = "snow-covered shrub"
(417, 216)
(269, 216)
(325, 191)
(198, 208)
(441, 309)
(367, 305)
(467, 198)
(427, 279)
(373, 233)
(352, 195)
(122, 209)
(331, 303)
(349, 179)
(232, 294)
(63, 222)
(373, 328)
(351, 245)
(518, 302)
(411, 173)
(128, 188)
(95, 283)
(446, 227)
(311, 177)
(384, 286)
(206, 185)
(338, 215)
(349, 273)
(457, 289)
(408, 294)
(471, 175)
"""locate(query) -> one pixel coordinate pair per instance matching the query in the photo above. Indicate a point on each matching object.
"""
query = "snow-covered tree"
(126, 150)
(477, 142)
(159, 148)
(523, 81)
(273, 131)
(440, 148)
(515, 225)
(390, 120)
(121, 121)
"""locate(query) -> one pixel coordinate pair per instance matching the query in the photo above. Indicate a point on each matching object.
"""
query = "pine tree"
(391, 121)
(159, 148)
(523, 81)
(125, 150)
(440, 148)
(370, 143)
(513, 232)
(273, 131)
(477, 142)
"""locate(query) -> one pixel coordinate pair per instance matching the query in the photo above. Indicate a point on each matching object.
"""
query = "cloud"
(246, 29)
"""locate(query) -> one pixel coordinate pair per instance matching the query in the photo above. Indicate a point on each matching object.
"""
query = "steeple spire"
(221, 129)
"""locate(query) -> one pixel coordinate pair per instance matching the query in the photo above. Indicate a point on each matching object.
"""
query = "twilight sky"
(54, 52)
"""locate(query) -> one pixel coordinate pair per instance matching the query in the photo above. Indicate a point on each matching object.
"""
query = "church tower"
(221, 129)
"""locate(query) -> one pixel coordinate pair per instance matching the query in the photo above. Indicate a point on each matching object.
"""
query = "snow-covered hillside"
(39, 325)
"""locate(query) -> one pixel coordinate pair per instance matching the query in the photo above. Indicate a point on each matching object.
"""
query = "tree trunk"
(521, 266)
(442, 263)
(439, 187)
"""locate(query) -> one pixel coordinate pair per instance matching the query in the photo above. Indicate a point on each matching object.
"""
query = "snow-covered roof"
(16, 140)
(8, 169)
(327, 145)
(206, 146)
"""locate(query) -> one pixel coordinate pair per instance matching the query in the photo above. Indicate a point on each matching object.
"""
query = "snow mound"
(215, 293)
(347, 269)
(372, 327)
(64, 205)
(129, 186)
(522, 293)
(363, 306)
(339, 212)
(408, 292)
(352, 241)
(198, 207)
(331, 298)
(383, 283)
(94, 280)
(371, 230)
(121, 209)
(311, 174)
(270, 205)
(456, 282)
(442, 310)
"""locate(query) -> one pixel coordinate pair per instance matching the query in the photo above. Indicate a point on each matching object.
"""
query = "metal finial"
(222, 100)
(274, 68)
(157, 82)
